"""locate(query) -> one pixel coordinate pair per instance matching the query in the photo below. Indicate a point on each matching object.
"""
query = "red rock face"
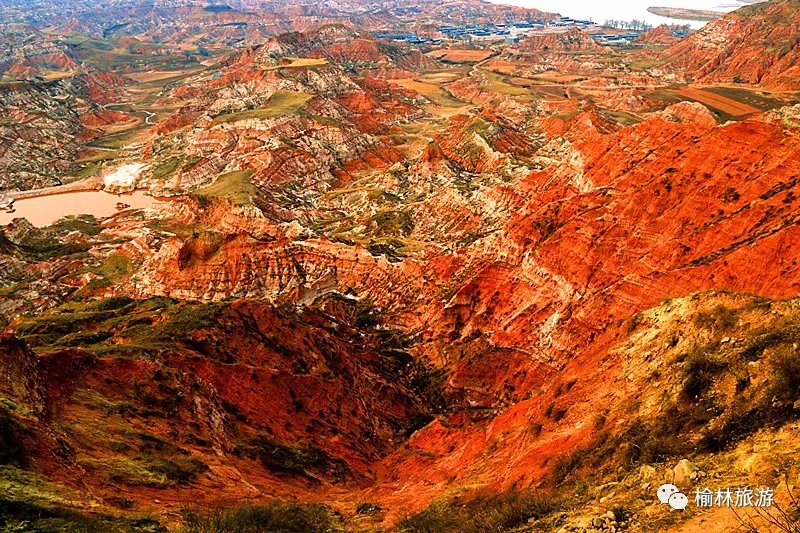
(105, 118)
(758, 44)
(381, 258)
(483, 143)
(674, 205)
(647, 220)
(337, 131)
(375, 59)
(626, 210)
(30, 67)
(105, 88)
(226, 401)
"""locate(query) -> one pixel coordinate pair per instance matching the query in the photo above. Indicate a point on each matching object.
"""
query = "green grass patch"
(621, 117)
(646, 64)
(667, 96)
(17, 485)
(394, 223)
(280, 104)
(86, 224)
(9, 291)
(27, 517)
(147, 326)
(166, 167)
(86, 170)
(433, 92)
(235, 186)
(114, 267)
(274, 517)
(500, 84)
(150, 471)
(116, 141)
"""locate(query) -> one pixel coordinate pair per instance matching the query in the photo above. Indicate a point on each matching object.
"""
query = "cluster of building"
(511, 31)
(616, 38)
(472, 31)
(493, 30)
(405, 37)
(566, 22)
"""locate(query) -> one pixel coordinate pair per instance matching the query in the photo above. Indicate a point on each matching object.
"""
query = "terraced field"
(718, 102)
(455, 55)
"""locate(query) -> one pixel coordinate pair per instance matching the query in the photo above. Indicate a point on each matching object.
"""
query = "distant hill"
(351, 50)
(758, 44)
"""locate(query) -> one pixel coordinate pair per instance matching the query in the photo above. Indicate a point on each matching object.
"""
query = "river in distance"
(599, 11)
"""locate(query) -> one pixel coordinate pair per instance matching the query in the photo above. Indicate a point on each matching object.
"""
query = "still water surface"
(600, 11)
(45, 210)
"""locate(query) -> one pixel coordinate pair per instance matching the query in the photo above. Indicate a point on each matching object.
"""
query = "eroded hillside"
(388, 288)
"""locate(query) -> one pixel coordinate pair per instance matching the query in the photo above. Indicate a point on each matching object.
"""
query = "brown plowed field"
(721, 103)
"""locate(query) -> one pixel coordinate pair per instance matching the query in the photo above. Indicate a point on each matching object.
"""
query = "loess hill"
(388, 292)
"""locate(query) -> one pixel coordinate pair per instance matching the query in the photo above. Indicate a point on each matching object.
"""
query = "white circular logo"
(665, 491)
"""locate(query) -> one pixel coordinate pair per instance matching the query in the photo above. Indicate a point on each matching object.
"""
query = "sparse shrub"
(786, 371)
(621, 514)
(151, 471)
(418, 421)
(86, 224)
(565, 465)
(734, 428)
(559, 413)
(640, 444)
(730, 195)
(29, 517)
(366, 316)
(600, 419)
(718, 319)
(12, 449)
(779, 518)
(109, 304)
(299, 459)
(742, 382)
(565, 387)
(633, 323)
(764, 339)
(700, 370)
(180, 470)
(500, 513)
(637, 444)
(274, 517)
